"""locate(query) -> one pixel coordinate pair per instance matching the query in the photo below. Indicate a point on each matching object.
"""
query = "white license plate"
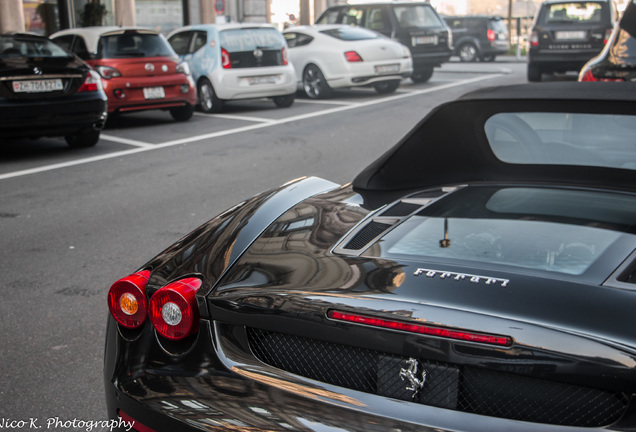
(424, 40)
(262, 80)
(570, 35)
(154, 93)
(387, 69)
(37, 86)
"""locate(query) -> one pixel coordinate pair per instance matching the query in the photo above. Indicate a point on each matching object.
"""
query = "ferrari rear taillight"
(225, 59)
(352, 57)
(421, 328)
(491, 35)
(173, 309)
(284, 56)
(92, 83)
(127, 299)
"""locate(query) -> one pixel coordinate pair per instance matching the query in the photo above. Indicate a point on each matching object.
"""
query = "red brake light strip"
(421, 329)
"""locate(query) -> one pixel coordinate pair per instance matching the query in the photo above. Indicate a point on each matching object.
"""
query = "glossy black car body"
(617, 61)
(565, 34)
(469, 279)
(478, 37)
(414, 24)
(46, 91)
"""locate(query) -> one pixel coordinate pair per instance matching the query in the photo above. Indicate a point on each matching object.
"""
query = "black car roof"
(449, 146)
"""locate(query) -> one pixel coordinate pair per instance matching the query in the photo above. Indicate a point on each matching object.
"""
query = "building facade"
(48, 16)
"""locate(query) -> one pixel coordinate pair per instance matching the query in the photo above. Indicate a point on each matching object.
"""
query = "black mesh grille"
(366, 234)
(456, 387)
(401, 209)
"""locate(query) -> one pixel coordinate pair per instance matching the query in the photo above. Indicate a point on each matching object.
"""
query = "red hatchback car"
(139, 69)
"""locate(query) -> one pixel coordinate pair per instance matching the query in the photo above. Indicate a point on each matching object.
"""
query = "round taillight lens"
(173, 309)
(127, 299)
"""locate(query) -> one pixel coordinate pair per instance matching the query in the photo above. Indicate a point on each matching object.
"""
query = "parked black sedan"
(47, 91)
(479, 276)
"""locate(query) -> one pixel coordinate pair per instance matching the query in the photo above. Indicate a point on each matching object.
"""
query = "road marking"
(128, 141)
(238, 117)
(143, 146)
(325, 102)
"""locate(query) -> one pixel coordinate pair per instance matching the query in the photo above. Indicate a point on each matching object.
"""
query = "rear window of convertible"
(555, 230)
(599, 140)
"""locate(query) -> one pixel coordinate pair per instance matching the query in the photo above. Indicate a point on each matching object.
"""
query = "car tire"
(182, 113)
(315, 84)
(284, 101)
(534, 73)
(422, 75)
(208, 101)
(83, 139)
(386, 87)
(468, 52)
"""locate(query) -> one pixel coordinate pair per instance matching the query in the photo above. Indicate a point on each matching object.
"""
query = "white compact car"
(326, 57)
(236, 61)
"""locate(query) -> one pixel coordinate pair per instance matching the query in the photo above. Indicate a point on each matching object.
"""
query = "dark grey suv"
(566, 34)
(416, 25)
(478, 37)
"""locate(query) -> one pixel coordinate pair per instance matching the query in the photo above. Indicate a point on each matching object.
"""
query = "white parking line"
(238, 117)
(128, 141)
(143, 146)
(325, 102)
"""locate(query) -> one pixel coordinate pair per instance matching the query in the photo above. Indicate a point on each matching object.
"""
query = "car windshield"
(599, 140)
(543, 229)
(25, 46)
(249, 39)
(351, 33)
(416, 16)
(134, 44)
(575, 12)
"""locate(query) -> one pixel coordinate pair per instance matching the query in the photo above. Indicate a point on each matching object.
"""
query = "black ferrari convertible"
(479, 276)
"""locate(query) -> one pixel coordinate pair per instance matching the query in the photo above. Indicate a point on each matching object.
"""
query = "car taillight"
(183, 68)
(284, 56)
(225, 59)
(491, 35)
(107, 72)
(127, 299)
(92, 83)
(608, 33)
(352, 57)
(421, 329)
(173, 309)
(534, 39)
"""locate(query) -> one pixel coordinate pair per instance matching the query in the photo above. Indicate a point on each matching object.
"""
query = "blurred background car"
(414, 24)
(47, 91)
(326, 57)
(236, 61)
(478, 37)
(566, 34)
(617, 61)
(139, 69)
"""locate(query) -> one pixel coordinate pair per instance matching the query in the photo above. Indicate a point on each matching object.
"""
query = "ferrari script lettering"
(488, 280)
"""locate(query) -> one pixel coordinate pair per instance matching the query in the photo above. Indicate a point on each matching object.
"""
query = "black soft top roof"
(449, 146)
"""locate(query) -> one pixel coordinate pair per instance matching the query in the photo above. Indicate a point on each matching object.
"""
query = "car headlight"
(406, 53)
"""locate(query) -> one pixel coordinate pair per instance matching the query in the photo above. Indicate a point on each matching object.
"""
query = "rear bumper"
(428, 60)
(216, 384)
(132, 93)
(561, 60)
(52, 117)
(249, 83)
